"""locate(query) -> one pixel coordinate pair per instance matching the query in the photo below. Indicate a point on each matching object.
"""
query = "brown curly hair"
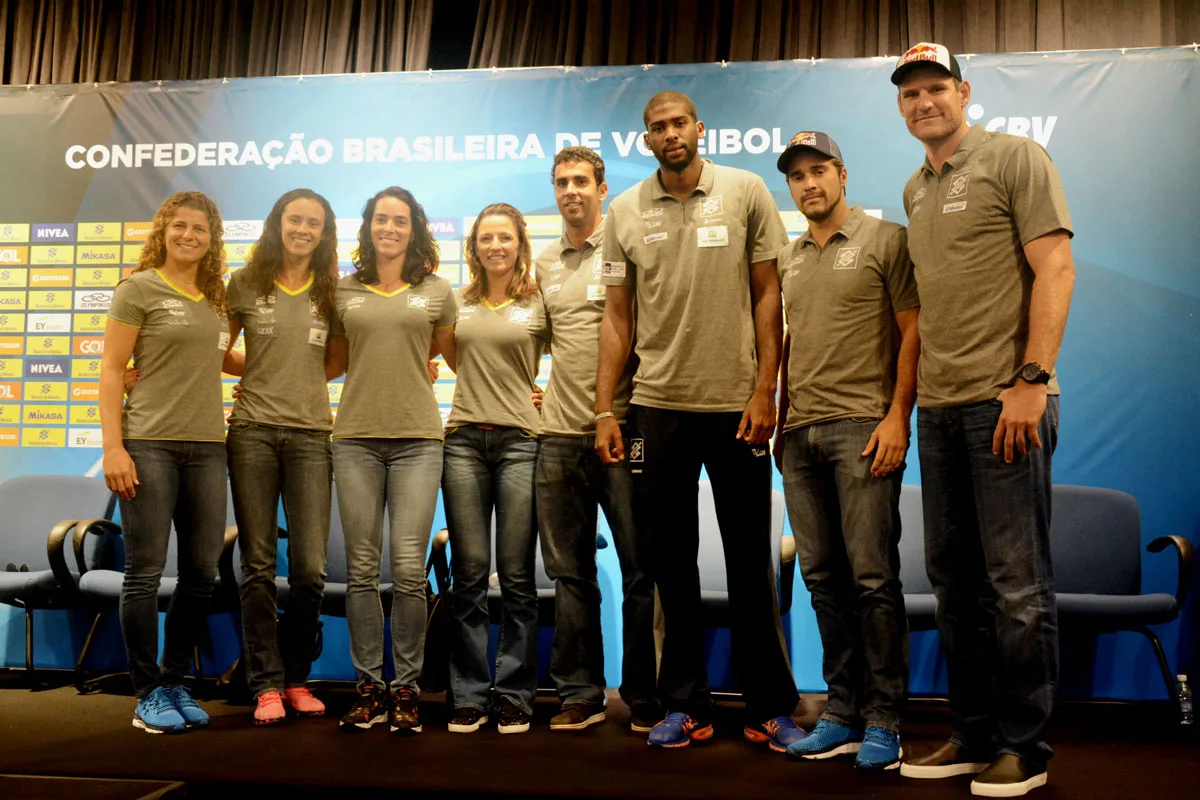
(212, 265)
(267, 256)
(523, 284)
(423, 254)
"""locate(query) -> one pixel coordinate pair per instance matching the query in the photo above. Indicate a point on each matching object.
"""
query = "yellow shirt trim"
(126, 324)
(307, 285)
(488, 303)
(382, 293)
(195, 298)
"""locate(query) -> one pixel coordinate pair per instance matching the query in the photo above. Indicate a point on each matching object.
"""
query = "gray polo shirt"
(387, 393)
(841, 303)
(499, 350)
(180, 346)
(574, 297)
(285, 335)
(690, 263)
(966, 231)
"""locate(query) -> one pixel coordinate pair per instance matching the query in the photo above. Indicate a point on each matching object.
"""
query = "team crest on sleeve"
(712, 206)
(847, 258)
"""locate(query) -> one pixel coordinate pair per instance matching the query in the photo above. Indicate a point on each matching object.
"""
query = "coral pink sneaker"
(269, 710)
(302, 701)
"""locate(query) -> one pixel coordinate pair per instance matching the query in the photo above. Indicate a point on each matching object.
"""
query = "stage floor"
(1102, 751)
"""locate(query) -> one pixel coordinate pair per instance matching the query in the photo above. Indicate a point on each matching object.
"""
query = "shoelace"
(159, 701)
(180, 697)
(879, 736)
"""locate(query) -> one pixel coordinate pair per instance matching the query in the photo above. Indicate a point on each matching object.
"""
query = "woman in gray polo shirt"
(491, 450)
(278, 444)
(164, 451)
(390, 316)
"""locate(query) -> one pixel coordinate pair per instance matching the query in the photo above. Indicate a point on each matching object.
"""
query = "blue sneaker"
(779, 733)
(827, 740)
(193, 715)
(880, 749)
(679, 730)
(156, 713)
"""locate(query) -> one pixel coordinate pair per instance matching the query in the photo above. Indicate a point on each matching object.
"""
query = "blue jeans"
(488, 470)
(846, 524)
(987, 551)
(401, 475)
(184, 483)
(266, 462)
(570, 482)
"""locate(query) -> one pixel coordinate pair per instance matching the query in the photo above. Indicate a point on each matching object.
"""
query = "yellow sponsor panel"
(60, 300)
(43, 437)
(49, 391)
(45, 415)
(12, 301)
(238, 252)
(89, 323)
(52, 254)
(136, 231)
(85, 415)
(450, 249)
(12, 346)
(98, 232)
(12, 323)
(48, 345)
(14, 232)
(335, 392)
(97, 277)
(345, 251)
(227, 392)
(544, 225)
(444, 392)
(450, 272)
(98, 254)
(544, 369)
(10, 414)
(14, 277)
(85, 368)
(51, 278)
(84, 392)
(130, 253)
(794, 221)
(11, 367)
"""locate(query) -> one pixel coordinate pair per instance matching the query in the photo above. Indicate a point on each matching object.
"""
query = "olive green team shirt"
(690, 263)
(499, 350)
(574, 297)
(841, 303)
(180, 347)
(387, 394)
(285, 336)
(966, 232)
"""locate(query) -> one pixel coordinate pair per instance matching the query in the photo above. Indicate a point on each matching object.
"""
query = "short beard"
(828, 212)
(681, 167)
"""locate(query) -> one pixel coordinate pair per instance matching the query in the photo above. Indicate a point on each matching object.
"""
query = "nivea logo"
(52, 232)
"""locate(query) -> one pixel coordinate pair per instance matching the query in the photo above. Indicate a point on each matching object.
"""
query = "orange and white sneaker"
(302, 701)
(269, 709)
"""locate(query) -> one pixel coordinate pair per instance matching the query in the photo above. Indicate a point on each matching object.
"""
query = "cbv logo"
(1040, 129)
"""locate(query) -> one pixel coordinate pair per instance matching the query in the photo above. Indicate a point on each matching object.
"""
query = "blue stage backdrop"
(85, 167)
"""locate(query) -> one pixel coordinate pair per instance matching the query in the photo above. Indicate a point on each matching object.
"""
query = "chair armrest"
(438, 562)
(54, 552)
(1186, 556)
(95, 527)
(787, 572)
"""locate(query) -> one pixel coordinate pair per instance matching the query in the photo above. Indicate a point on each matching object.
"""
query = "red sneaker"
(269, 710)
(302, 701)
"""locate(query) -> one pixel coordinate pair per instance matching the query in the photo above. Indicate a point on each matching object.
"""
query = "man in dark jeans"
(695, 243)
(989, 234)
(570, 480)
(850, 379)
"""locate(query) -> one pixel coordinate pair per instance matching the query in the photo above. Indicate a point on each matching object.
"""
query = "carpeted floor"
(1103, 751)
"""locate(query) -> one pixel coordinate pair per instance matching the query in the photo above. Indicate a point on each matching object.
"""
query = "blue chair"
(37, 576)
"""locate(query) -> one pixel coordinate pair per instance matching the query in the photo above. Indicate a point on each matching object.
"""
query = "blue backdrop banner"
(86, 167)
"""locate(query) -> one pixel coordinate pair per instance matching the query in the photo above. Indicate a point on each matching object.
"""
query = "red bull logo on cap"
(921, 52)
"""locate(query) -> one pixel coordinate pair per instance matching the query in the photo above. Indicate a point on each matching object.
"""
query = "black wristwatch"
(1033, 373)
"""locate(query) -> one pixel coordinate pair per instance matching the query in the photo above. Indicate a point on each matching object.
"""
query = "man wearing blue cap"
(989, 234)
(849, 382)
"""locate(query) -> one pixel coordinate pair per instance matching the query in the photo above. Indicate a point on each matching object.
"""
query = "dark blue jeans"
(987, 551)
(266, 462)
(570, 482)
(846, 524)
(184, 483)
(486, 470)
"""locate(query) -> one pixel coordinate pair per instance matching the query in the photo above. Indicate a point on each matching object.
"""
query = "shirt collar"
(707, 176)
(975, 137)
(564, 242)
(846, 231)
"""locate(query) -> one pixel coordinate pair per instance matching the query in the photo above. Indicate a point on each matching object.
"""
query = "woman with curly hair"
(278, 444)
(164, 452)
(390, 315)
(490, 453)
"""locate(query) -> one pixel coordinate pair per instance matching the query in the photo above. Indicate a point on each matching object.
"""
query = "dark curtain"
(74, 41)
(516, 33)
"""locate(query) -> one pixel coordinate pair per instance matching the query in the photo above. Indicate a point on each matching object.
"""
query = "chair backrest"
(30, 505)
(913, 577)
(711, 557)
(1095, 541)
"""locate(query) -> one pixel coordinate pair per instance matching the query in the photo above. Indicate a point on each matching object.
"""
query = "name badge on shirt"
(596, 292)
(552, 289)
(520, 316)
(712, 236)
(224, 345)
(655, 237)
(317, 336)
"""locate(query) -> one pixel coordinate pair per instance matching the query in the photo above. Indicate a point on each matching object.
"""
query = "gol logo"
(88, 346)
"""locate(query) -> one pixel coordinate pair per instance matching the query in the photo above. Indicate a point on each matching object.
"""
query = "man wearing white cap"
(849, 382)
(989, 234)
